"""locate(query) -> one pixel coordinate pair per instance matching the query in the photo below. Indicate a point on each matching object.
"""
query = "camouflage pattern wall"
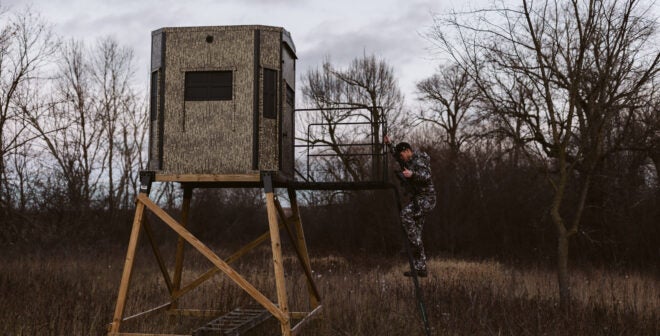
(214, 137)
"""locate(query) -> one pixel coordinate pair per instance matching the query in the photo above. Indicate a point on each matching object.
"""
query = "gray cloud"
(397, 38)
(339, 29)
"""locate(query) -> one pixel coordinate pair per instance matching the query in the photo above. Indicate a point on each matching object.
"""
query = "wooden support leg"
(314, 297)
(178, 263)
(128, 268)
(213, 258)
(302, 256)
(277, 255)
(159, 256)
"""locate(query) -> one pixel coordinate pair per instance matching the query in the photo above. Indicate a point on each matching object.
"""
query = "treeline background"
(73, 130)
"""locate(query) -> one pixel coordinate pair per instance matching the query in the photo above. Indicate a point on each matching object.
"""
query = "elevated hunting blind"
(222, 115)
(222, 100)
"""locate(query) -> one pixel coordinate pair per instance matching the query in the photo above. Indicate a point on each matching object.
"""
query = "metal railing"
(345, 149)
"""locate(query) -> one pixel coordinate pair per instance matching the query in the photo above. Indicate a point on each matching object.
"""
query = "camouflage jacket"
(421, 182)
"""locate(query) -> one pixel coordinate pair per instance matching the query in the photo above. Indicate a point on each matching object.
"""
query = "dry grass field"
(74, 294)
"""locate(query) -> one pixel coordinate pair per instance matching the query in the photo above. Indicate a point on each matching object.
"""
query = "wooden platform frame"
(276, 220)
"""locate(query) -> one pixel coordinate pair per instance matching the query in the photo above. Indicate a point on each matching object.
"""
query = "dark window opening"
(290, 96)
(208, 85)
(153, 96)
(270, 94)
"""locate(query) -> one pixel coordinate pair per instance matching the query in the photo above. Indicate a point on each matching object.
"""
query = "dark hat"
(402, 146)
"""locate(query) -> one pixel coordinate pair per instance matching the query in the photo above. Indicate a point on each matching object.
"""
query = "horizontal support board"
(208, 177)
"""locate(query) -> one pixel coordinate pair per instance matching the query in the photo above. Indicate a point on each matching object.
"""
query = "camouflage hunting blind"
(222, 100)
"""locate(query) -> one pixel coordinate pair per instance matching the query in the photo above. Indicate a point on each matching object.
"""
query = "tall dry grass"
(74, 294)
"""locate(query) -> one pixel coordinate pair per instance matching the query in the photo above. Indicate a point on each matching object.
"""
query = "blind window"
(270, 93)
(208, 85)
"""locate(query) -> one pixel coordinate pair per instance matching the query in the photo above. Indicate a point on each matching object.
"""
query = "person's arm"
(421, 171)
(388, 142)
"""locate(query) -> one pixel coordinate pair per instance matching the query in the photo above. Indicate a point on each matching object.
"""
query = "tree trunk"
(4, 206)
(562, 270)
(3, 179)
(655, 157)
(562, 236)
(111, 182)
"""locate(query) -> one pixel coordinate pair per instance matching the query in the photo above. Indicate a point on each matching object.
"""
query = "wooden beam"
(248, 247)
(211, 272)
(195, 283)
(306, 269)
(314, 295)
(208, 177)
(180, 244)
(158, 255)
(276, 245)
(211, 256)
(128, 265)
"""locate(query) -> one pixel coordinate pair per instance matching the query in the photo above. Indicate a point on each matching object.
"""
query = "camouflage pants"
(412, 219)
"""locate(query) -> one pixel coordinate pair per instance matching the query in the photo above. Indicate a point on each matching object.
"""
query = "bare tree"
(23, 174)
(93, 126)
(448, 95)
(368, 92)
(645, 135)
(572, 73)
(133, 128)
(323, 91)
(26, 44)
(112, 71)
(69, 126)
(75, 93)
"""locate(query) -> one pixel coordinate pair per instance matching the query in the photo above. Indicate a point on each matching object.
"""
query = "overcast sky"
(338, 29)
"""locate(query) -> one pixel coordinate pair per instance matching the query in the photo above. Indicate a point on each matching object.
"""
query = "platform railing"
(349, 150)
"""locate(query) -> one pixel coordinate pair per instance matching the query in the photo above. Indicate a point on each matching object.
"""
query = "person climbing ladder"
(416, 175)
